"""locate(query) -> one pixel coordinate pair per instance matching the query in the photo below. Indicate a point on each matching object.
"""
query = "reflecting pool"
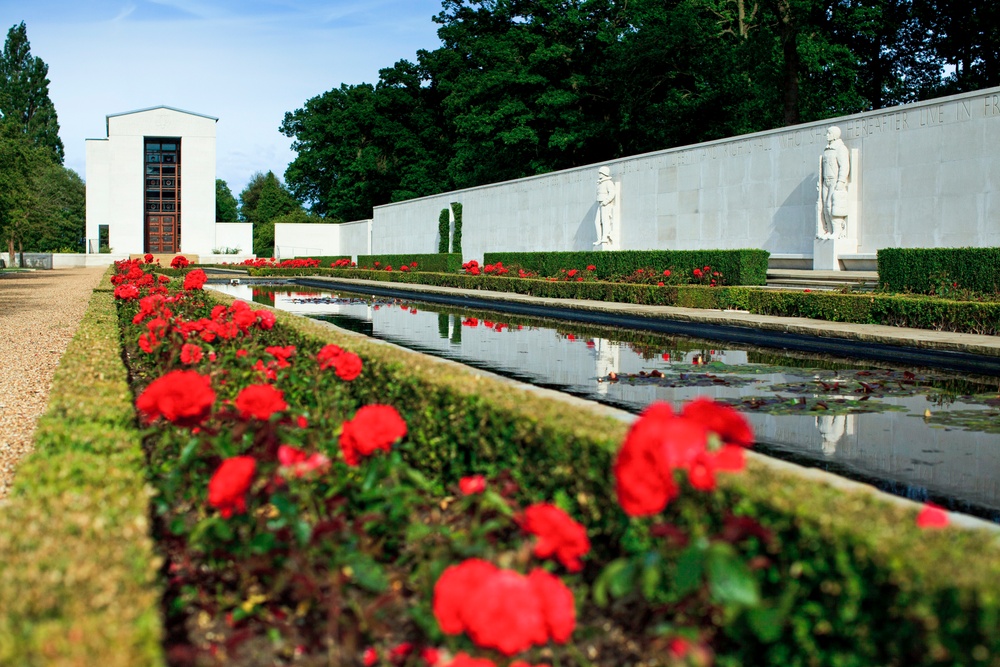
(923, 434)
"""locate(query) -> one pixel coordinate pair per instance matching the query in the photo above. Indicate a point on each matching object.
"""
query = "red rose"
(370, 657)
(472, 484)
(721, 419)
(346, 365)
(296, 463)
(644, 480)
(260, 401)
(127, 292)
(228, 486)
(932, 516)
(191, 354)
(373, 427)
(194, 280)
(505, 613)
(265, 319)
(181, 397)
(558, 535)
(558, 606)
(454, 588)
(179, 262)
(591, 267)
(148, 258)
(282, 354)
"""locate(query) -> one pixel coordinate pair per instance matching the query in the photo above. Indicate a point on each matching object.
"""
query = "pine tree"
(24, 92)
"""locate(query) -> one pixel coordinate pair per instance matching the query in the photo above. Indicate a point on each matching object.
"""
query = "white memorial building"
(151, 186)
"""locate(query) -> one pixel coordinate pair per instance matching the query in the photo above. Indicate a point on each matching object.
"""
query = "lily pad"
(983, 421)
(682, 379)
(785, 405)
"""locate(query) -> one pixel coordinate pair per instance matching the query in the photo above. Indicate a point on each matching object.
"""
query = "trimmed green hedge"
(443, 262)
(863, 585)
(924, 270)
(77, 566)
(889, 309)
(738, 267)
(444, 230)
(456, 238)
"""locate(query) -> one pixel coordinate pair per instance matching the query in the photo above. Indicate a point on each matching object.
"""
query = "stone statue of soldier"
(835, 168)
(604, 221)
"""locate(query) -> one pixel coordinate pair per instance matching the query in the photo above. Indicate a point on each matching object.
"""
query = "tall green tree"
(226, 208)
(58, 215)
(966, 36)
(264, 199)
(24, 92)
(387, 142)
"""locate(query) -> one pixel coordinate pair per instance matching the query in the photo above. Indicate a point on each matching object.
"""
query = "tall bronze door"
(162, 198)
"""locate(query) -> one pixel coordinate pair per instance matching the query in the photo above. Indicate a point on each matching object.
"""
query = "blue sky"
(246, 62)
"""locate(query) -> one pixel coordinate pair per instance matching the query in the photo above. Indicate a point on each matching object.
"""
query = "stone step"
(862, 281)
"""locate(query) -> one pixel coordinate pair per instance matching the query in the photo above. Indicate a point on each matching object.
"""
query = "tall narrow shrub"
(444, 230)
(456, 239)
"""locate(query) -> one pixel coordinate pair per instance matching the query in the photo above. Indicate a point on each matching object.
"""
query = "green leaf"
(652, 575)
(494, 501)
(303, 532)
(767, 623)
(222, 530)
(418, 479)
(366, 573)
(262, 543)
(188, 453)
(603, 582)
(690, 570)
(730, 581)
(285, 507)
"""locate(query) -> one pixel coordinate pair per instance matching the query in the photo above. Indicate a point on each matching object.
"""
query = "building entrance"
(162, 195)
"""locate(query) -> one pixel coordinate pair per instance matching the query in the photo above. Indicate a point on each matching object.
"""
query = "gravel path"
(39, 313)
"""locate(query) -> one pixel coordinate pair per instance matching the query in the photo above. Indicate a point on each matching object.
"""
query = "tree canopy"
(24, 92)
(42, 203)
(226, 208)
(262, 200)
(523, 87)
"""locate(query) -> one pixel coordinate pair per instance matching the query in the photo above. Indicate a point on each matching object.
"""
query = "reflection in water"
(894, 448)
(833, 428)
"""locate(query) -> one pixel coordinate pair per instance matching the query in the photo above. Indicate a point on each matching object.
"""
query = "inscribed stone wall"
(929, 177)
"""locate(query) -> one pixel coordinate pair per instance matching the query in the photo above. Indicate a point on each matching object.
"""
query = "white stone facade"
(116, 179)
(928, 176)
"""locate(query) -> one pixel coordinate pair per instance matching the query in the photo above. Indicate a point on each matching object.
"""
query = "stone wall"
(927, 176)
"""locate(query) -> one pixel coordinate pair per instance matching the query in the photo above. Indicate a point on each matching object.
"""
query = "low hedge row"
(325, 260)
(890, 309)
(443, 262)
(925, 270)
(77, 566)
(738, 267)
(859, 584)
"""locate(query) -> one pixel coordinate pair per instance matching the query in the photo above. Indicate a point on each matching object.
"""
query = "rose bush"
(291, 518)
